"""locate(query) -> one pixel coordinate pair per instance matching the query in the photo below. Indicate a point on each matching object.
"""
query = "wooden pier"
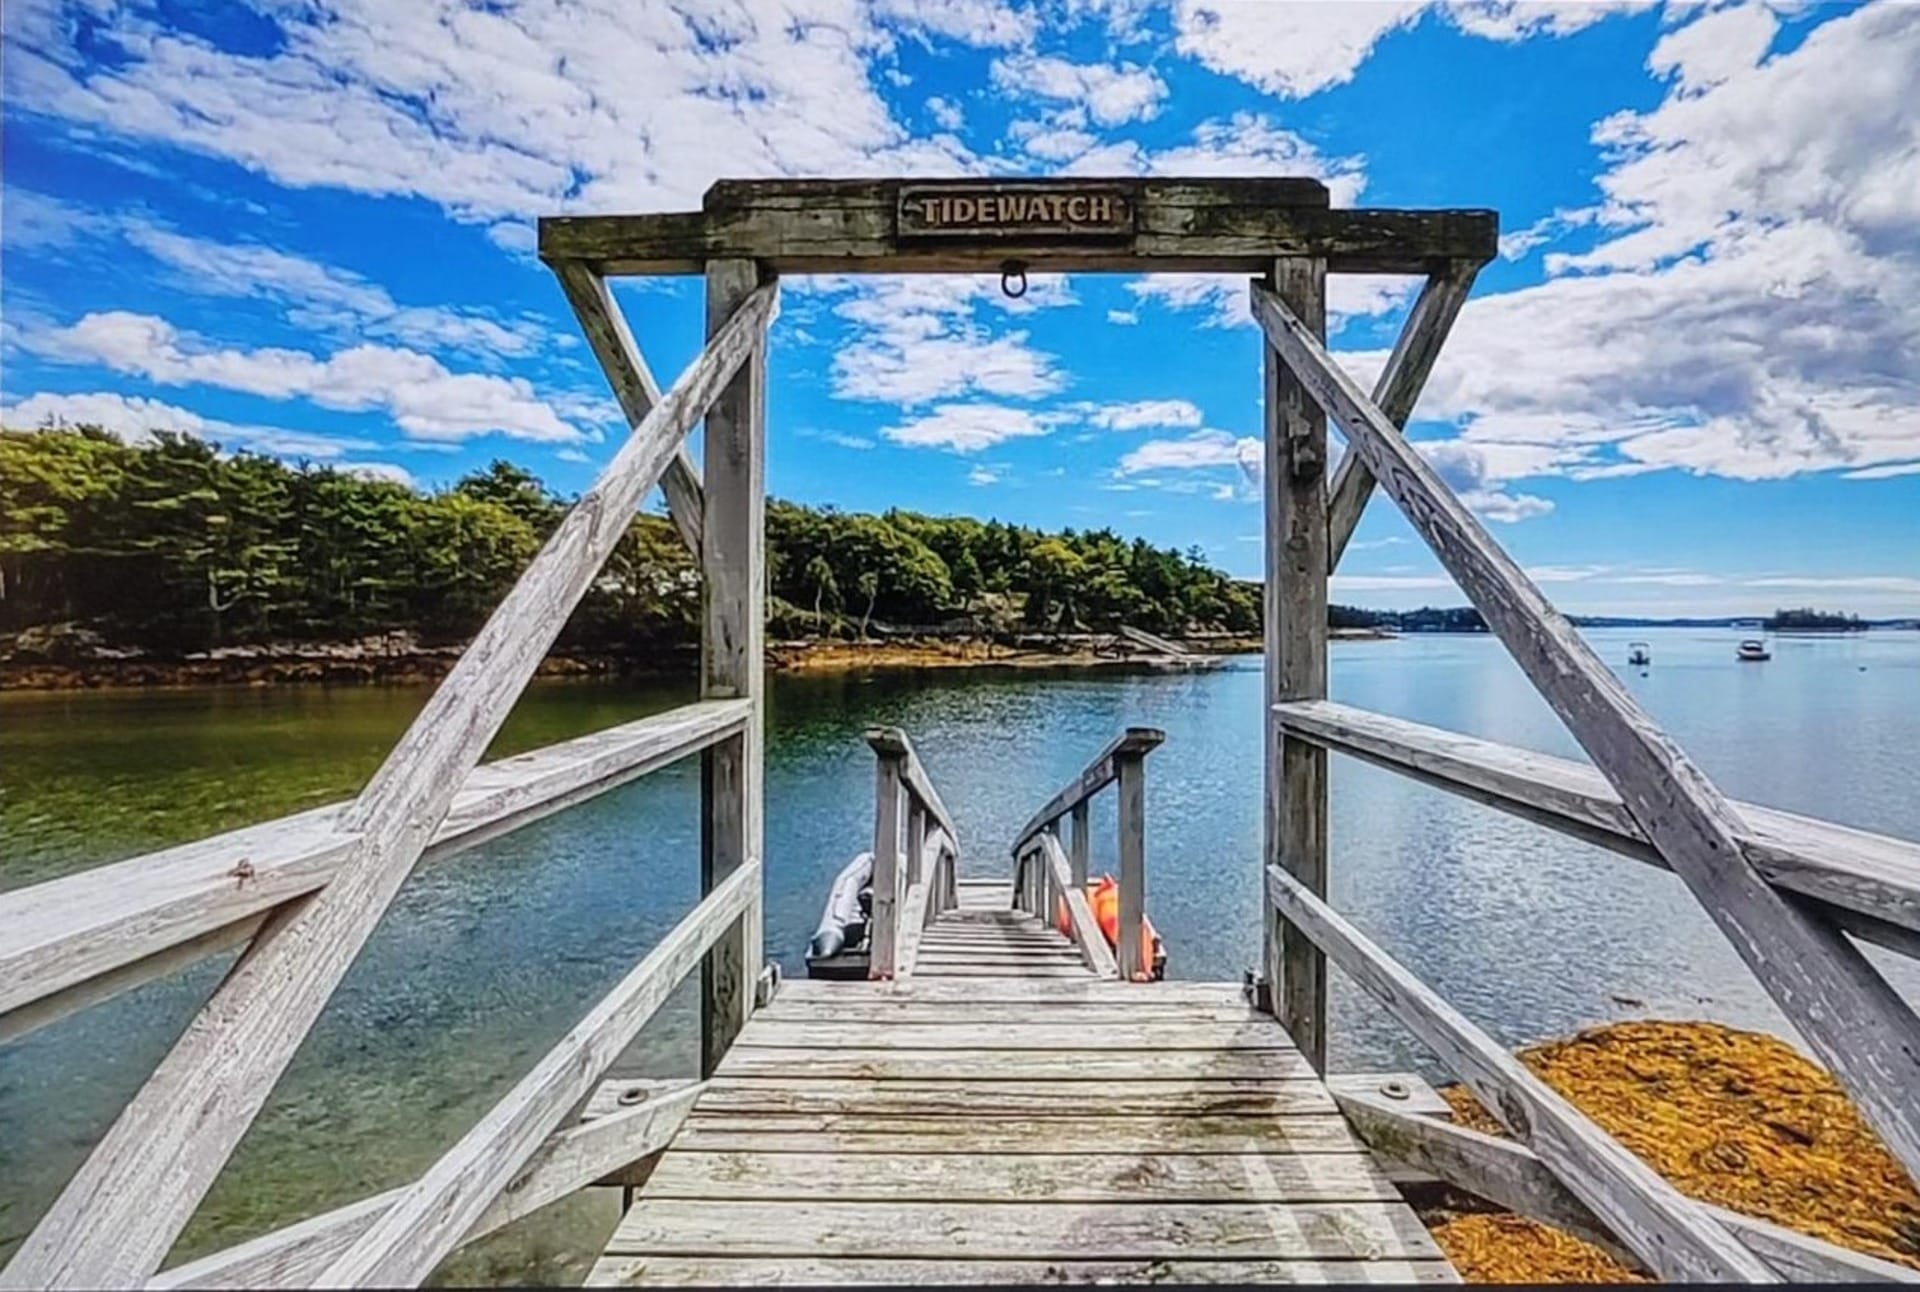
(1007, 1096)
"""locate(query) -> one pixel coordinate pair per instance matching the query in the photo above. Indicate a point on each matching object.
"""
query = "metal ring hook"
(1011, 272)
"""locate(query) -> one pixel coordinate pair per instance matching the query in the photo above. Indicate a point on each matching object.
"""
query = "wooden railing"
(304, 893)
(916, 848)
(1045, 875)
(1780, 888)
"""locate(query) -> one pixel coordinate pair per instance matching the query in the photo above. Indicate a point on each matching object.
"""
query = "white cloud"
(969, 428)
(1752, 308)
(1884, 472)
(945, 113)
(1224, 297)
(1111, 95)
(1716, 46)
(134, 419)
(391, 472)
(1123, 318)
(1466, 469)
(980, 476)
(1140, 414)
(1201, 449)
(424, 399)
(1286, 47)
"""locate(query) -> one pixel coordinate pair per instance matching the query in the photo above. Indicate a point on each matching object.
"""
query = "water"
(488, 957)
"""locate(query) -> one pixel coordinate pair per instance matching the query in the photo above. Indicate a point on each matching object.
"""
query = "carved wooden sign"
(1037, 211)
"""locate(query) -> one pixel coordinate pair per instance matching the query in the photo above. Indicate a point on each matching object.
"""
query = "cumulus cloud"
(1206, 448)
(135, 420)
(1140, 414)
(1111, 95)
(969, 428)
(1223, 298)
(424, 399)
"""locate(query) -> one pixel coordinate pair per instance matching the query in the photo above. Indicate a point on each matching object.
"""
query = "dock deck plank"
(1001, 1115)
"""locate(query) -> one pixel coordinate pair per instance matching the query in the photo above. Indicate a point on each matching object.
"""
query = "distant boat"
(1754, 650)
(1639, 653)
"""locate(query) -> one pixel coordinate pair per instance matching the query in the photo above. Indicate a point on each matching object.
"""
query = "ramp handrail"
(915, 855)
(1038, 887)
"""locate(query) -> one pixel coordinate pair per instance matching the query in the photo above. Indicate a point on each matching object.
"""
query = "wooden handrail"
(73, 941)
(1661, 1226)
(1869, 882)
(434, 1214)
(1851, 1017)
(1093, 778)
(117, 1217)
(907, 895)
(1086, 932)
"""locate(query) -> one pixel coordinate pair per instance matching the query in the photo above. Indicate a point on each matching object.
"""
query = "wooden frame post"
(1295, 820)
(1079, 840)
(1130, 771)
(732, 660)
(883, 923)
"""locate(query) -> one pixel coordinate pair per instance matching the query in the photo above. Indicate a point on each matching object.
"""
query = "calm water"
(488, 957)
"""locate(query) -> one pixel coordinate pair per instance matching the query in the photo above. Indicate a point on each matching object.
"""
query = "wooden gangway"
(1009, 1116)
(1007, 1096)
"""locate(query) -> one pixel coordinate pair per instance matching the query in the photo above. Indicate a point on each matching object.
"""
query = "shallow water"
(487, 958)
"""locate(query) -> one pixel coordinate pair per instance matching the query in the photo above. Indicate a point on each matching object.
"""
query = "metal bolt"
(1396, 1090)
(632, 1095)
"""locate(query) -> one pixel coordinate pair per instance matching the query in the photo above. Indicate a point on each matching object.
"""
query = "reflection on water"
(487, 958)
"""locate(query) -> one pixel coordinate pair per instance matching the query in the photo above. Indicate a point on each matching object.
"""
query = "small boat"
(1639, 654)
(1753, 650)
(838, 949)
(1104, 899)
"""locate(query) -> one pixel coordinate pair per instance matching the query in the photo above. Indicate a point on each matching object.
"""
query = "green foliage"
(171, 545)
(1807, 619)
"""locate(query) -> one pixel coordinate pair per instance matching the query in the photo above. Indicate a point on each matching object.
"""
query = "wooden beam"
(633, 386)
(1086, 930)
(1096, 776)
(1664, 1229)
(117, 1217)
(883, 918)
(570, 1160)
(74, 941)
(1510, 1175)
(1869, 882)
(1294, 831)
(435, 1212)
(1397, 392)
(1079, 841)
(1181, 225)
(1851, 1018)
(1130, 817)
(733, 606)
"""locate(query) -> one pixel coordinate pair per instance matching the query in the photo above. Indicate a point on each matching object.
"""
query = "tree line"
(172, 544)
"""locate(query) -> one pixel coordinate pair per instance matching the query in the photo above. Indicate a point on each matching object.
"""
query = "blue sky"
(1691, 383)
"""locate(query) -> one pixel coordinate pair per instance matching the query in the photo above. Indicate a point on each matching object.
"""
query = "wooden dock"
(1006, 1116)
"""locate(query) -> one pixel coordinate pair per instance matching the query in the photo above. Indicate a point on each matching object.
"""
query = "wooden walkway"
(1005, 1116)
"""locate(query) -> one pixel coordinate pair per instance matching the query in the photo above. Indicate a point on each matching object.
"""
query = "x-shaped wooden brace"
(1853, 1020)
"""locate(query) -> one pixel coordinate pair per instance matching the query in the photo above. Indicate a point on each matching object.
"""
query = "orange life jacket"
(1104, 898)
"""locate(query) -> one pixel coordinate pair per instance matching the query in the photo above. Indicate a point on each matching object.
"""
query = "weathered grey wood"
(980, 1062)
(916, 841)
(905, 1012)
(1073, 969)
(912, 921)
(1851, 1018)
(1196, 1097)
(568, 1161)
(633, 386)
(1079, 842)
(1087, 937)
(1004, 1031)
(883, 929)
(1868, 881)
(1032, 1177)
(114, 1222)
(1039, 995)
(849, 226)
(808, 1271)
(1220, 1231)
(76, 940)
(1665, 1229)
(913, 775)
(909, 1133)
(1096, 776)
(1509, 1174)
(1295, 638)
(1132, 955)
(432, 1215)
(1397, 391)
(733, 654)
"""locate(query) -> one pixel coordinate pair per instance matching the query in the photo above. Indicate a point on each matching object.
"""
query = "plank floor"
(1003, 1116)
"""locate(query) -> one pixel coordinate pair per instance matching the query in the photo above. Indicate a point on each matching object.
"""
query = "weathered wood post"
(1079, 840)
(1295, 637)
(733, 603)
(916, 841)
(1130, 768)
(883, 926)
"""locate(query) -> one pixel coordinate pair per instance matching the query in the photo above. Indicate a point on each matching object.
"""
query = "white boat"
(1639, 653)
(1752, 650)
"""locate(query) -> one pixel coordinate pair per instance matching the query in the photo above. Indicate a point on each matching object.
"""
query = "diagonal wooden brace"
(1397, 392)
(1853, 1020)
(633, 386)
